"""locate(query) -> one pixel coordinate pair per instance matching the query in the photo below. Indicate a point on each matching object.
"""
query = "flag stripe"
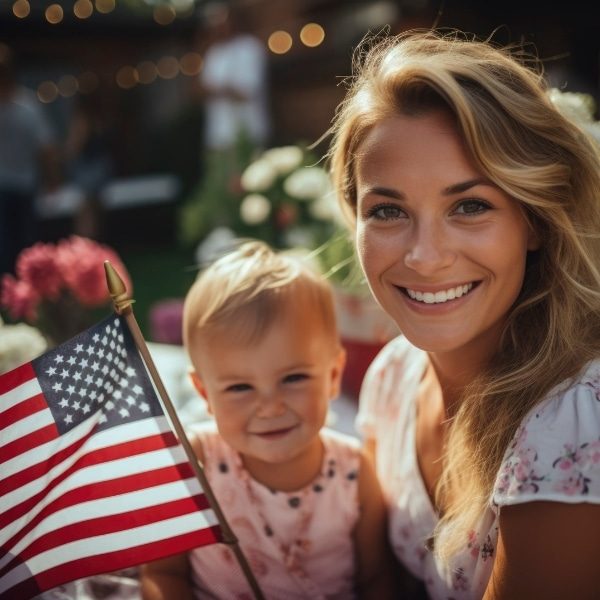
(139, 516)
(14, 386)
(88, 468)
(23, 434)
(96, 546)
(121, 559)
(56, 513)
(23, 409)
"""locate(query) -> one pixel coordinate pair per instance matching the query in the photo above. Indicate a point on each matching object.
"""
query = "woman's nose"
(429, 250)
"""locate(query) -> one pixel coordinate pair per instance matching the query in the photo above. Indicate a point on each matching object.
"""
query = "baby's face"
(270, 397)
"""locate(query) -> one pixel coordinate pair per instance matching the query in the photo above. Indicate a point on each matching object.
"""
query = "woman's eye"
(385, 212)
(295, 377)
(471, 207)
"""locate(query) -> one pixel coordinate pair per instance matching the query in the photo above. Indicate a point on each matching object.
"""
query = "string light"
(147, 72)
(168, 67)
(190, 63)
(68, 86)
(164, 14)
(105, 6)
(126, 77)
(47, 92)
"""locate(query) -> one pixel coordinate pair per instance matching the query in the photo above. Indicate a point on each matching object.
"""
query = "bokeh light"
(68, 86)
(54, 14)
(280, 42)
(126, 77)
(164, 14)
(105, 6)
(47, 92)
(168, 67)
(147, 72)
(190, 63)
(83, 9)
(21, 9)
(312, 35)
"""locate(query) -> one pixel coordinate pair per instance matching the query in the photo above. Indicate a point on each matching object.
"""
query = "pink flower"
(82, 263)
(565, 464)
(37, 266)
(19, 298)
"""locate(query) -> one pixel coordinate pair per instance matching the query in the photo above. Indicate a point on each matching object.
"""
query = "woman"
(476, 207)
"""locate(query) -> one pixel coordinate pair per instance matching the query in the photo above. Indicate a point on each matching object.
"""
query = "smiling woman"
(476, 208)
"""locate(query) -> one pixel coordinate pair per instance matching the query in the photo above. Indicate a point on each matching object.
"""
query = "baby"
(304, 502)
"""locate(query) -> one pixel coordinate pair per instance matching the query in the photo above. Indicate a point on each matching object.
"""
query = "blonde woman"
(476, 207)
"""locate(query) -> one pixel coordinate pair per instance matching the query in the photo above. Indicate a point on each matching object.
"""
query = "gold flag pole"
(122, 303)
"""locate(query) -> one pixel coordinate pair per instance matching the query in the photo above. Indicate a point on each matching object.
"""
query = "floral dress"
(554, 455)
(298, 544)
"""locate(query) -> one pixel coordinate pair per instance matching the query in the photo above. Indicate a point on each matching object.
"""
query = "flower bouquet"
(60, 288)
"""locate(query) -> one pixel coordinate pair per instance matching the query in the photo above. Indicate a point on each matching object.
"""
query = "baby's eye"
(385, 212)
(238, 387)
(471, 207)
(295, 377)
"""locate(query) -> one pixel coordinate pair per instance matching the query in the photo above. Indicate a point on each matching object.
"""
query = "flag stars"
(77, 375)
(124, 412)
(130, 400)
(64, 403)
(118, 395)
(92, 395)
(83, 363)
(64, 373)
(137, 389)
(57, 387)
(51, 371)
(109, 405)
(96, 337)
(89, 379)
(68, 419)
(85, 409)
(90, 349)
(72, 360)
(76, 405)
(79, 348)
(71, 389)
(83, 392)
(144, 407)
(59, 358)
(102, 418)
(130, 371)
(95, 366)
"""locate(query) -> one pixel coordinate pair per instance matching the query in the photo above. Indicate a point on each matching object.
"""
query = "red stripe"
(24, 409)
(29, 441)
(16, 377)
(107, 489)
(111, 523)
(125, 449)
(112, 561)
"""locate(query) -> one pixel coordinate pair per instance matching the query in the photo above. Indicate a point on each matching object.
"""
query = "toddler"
(304, 502)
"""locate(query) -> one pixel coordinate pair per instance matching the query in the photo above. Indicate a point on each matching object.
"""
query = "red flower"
(38, 267)
(20, 298)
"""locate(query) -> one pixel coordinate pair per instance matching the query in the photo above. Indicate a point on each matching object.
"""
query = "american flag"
(92, 478)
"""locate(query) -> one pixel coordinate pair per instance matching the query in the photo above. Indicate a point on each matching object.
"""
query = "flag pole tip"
(116, 288)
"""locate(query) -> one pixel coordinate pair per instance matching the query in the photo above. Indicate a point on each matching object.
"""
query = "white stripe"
(102, 439)
(26, 426)
(104, 471)
(113, 505)
(18, 394)
(111, 542)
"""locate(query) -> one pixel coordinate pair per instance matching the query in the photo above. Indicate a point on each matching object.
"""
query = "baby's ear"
(199, 386)
(337, 370)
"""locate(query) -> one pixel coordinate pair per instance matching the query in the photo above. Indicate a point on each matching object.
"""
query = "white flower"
(214, 245)
(283, 159)
(254, 209)
(326, 208)
(258, 176)
(308, 183)
(18, 344)
(576, 106)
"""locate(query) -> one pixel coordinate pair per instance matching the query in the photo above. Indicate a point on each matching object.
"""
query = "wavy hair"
(520, 141)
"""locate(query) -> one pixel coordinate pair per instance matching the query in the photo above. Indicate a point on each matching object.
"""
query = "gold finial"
(117, 289)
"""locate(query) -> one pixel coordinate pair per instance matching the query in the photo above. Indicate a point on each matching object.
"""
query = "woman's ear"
(199, 386)
(337, 370)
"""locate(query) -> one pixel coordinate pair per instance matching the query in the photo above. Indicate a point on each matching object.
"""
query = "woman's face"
(442, 247)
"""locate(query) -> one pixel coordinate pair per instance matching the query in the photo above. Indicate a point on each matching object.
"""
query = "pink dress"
(298, 544)
(554, 455)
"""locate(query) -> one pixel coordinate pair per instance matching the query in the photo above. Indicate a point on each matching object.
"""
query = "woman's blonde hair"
(249, 288)
(520, 141)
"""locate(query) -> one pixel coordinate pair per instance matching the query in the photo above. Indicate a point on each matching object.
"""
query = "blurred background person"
(28, 161)
(89, 162)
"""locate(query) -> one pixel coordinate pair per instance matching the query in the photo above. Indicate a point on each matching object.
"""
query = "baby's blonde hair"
(248, 289)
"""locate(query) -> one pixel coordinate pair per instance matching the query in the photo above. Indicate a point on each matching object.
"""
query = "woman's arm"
(166, 579)
(547, 550)
(375, 562)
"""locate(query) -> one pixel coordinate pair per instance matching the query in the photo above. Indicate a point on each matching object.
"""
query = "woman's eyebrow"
(463, 186)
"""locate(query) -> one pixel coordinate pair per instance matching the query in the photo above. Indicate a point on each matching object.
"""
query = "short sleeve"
(382, 385)
(555, 454)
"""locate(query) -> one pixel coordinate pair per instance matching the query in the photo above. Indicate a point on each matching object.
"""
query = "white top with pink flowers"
(555, 455)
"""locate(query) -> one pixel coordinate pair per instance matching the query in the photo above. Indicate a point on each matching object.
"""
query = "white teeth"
(440, 297)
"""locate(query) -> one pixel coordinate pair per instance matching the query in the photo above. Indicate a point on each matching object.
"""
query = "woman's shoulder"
(555, 453)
